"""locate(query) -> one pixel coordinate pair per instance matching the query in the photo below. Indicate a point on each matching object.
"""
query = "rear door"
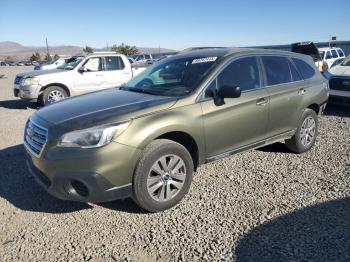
(116, 72)
(239, 122)
(286, 88)
(92, 79)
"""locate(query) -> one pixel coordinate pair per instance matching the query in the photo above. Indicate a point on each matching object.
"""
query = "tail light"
(324, 67)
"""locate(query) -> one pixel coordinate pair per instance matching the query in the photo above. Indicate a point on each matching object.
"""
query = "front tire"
(163, 175)
(53, 94)
(305, 136)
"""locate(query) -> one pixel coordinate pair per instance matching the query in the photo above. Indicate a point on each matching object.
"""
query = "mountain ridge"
(14, 49)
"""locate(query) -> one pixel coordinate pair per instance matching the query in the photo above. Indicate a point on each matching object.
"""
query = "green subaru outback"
(146, 139)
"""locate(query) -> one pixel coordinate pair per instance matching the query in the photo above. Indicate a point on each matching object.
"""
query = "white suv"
(78, 75)
(330, 54)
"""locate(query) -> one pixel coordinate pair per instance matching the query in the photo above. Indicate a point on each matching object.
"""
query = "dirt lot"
(263, 205)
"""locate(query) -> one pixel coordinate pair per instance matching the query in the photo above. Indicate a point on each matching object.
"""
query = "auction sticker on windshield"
(204, 60)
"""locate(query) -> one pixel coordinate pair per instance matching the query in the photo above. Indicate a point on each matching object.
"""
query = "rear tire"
(163, 175)
(306, 133)
(53, 94)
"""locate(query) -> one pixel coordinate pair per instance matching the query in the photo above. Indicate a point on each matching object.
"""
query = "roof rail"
(103, 52)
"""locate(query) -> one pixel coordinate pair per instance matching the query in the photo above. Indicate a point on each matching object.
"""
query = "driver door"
(91, 78)
(238, 123)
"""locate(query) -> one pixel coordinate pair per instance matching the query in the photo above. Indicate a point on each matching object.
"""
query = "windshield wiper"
(138, 90)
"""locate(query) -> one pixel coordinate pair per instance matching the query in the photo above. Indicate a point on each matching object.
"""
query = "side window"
(276, 69)
(328, 55)
(147, 57)
(243, 72)
(304, 68)
(340, 52)
(294, 72)
(334, 53)
(93, 64)
(114, 63)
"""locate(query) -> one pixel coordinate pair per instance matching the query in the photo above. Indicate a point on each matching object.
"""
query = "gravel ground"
(263, 205)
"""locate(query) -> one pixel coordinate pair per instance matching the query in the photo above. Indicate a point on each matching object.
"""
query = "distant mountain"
(16, 50)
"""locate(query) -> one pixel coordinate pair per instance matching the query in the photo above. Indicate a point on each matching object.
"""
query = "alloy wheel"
(307, 131)
(166, 178)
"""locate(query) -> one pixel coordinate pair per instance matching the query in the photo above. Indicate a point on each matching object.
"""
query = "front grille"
(18, 80)
(35, 138)
(341, 84)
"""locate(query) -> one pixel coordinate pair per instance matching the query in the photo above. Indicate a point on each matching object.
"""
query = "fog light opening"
(80, 188)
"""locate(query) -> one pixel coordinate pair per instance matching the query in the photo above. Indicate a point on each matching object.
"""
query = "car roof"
(328, 48)
(227, 51)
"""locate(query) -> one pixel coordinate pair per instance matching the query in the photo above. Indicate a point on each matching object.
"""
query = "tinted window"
(334, 54)
(276, 69)
(93, 64)
(242, 72)
(140, 57)
(340, 52)
(147, 57)
(295, 74)
(304, 68)
(328, 55)
(114, 63)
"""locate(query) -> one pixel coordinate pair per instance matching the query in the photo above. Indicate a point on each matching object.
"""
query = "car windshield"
(70, 63)
(346, 61)
(172, 77)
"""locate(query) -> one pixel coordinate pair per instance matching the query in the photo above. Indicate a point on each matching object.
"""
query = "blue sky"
(172, 24)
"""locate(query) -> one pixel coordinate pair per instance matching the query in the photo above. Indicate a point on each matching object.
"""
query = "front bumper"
(339, 93)
(98, 175)
(83, 187)
(26, 92)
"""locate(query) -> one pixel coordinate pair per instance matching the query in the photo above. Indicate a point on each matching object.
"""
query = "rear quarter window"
(340, 52)
(304, 68)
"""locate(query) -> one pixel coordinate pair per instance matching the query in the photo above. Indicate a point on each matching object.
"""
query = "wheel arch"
(56, 84)
(315, 107)
(185, 140)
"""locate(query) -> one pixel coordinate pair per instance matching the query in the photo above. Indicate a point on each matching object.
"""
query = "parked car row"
(75, 76)
(147, 138)
(15, 63)
(148, 59)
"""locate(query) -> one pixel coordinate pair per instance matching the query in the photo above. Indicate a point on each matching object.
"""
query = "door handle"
(126, 73)
(99, 74)
(262, 101)
(302, 91)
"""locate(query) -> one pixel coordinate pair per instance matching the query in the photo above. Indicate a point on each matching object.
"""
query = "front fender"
(186, 119)
(51, 82)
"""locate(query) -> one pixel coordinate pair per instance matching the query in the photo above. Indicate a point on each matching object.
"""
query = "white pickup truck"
(78, 75)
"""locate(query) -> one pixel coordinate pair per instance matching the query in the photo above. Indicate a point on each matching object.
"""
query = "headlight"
(30, 81)
(93, 137)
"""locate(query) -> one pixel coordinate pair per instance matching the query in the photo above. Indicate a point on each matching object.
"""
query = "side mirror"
(229, 91)
(82, 69)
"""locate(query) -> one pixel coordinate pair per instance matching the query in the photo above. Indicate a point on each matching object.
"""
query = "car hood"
(103, 107)
(306, 48)
(40, 73)
(340, 70)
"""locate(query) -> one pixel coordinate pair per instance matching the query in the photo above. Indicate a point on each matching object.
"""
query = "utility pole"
(47, 50)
